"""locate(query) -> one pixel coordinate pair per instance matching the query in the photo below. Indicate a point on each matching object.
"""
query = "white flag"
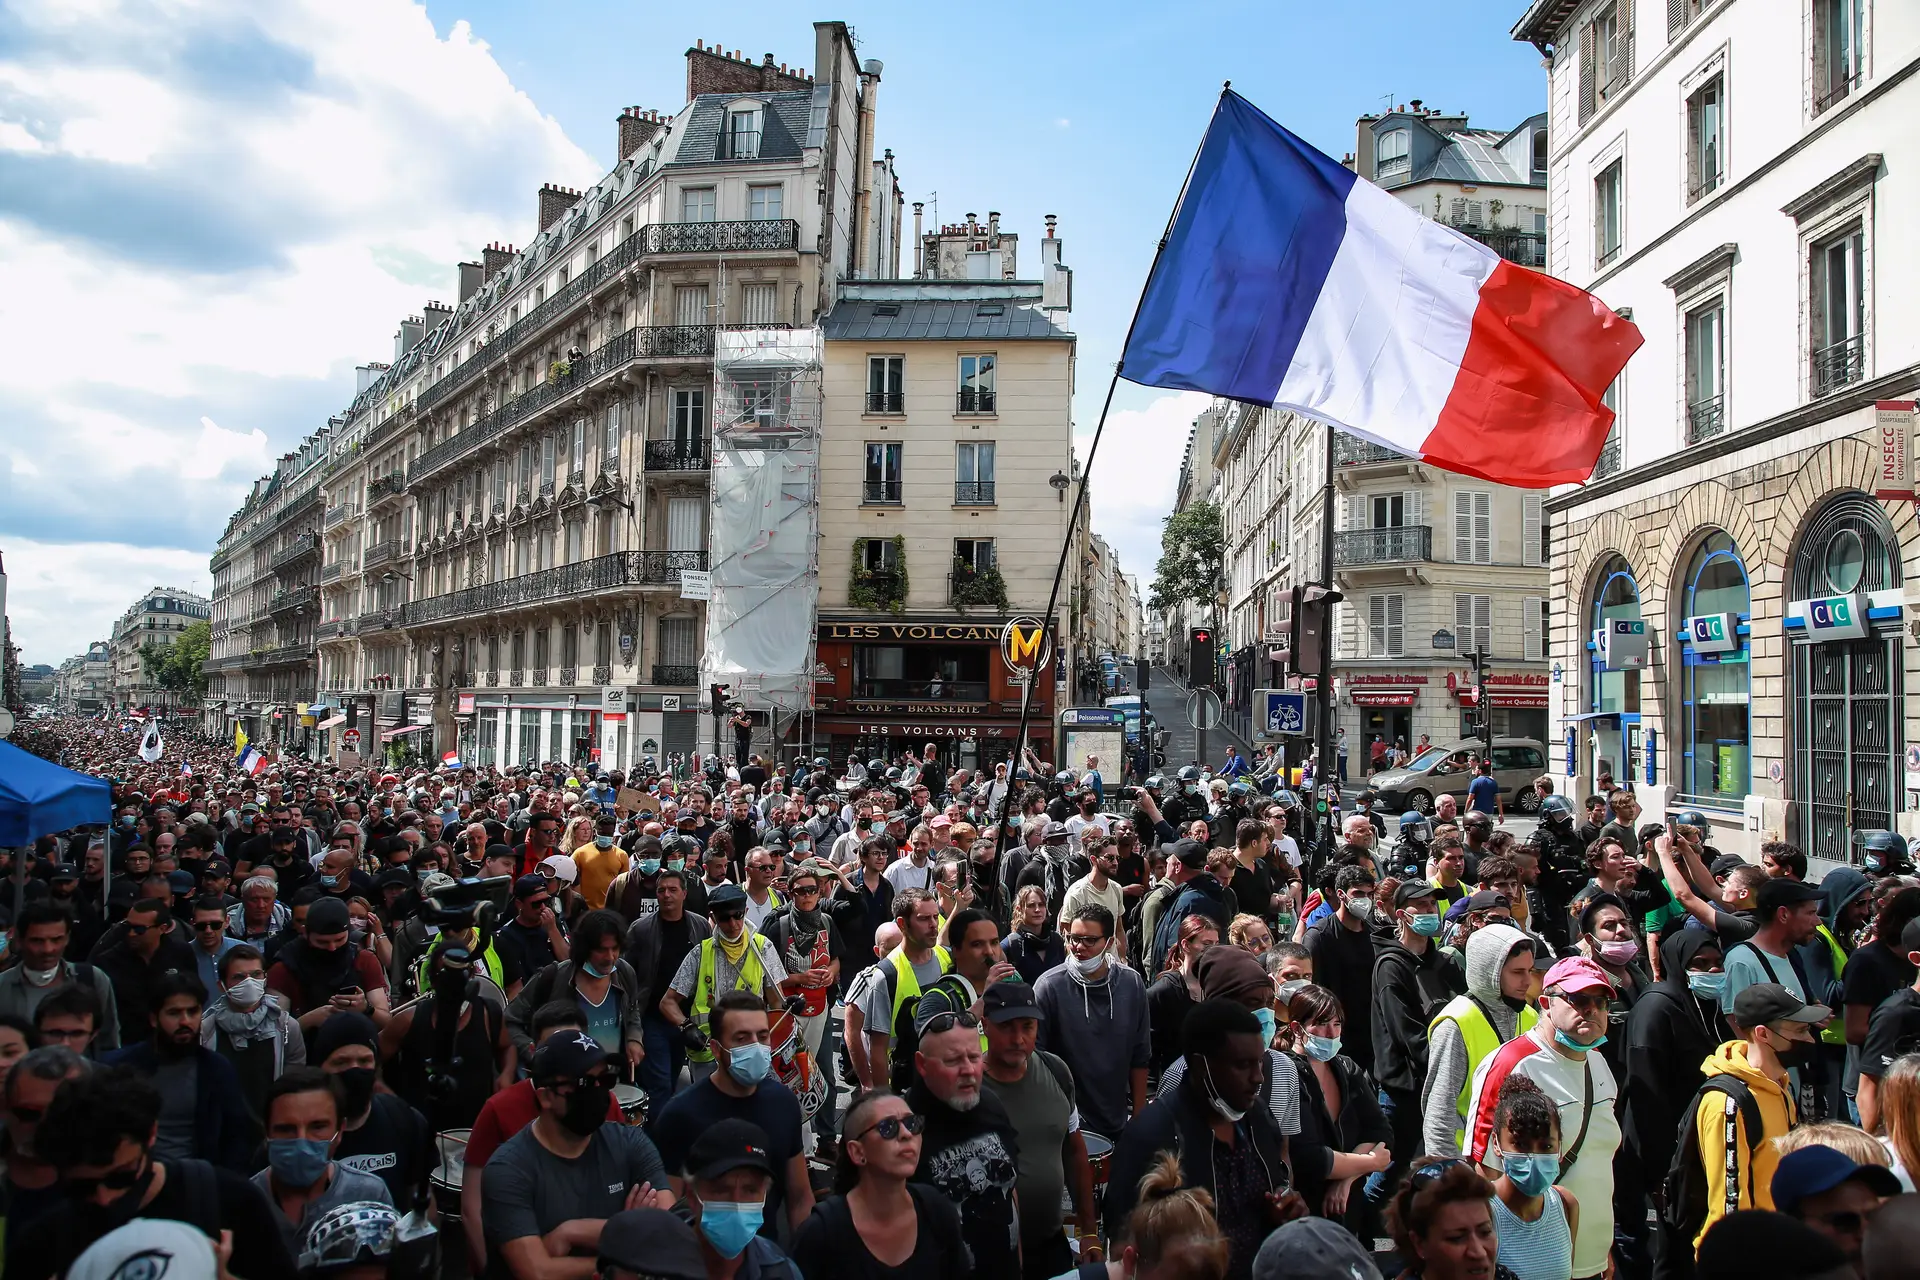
(151, 747)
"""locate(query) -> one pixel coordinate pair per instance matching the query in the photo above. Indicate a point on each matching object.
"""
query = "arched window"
(1715, 729)
(1616, 596)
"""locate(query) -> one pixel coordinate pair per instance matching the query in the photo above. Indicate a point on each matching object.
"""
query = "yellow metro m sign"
(1025, 644)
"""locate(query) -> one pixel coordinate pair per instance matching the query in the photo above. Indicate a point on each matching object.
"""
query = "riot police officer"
(1563, 866)
(1408, 857)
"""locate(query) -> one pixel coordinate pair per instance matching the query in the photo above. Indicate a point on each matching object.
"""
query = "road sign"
(1281, 712)
(1203, 708)
(350, 739)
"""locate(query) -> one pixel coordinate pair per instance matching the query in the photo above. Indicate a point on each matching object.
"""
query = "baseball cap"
(730, 1145)
(1576, 973)
(562, 867)
(1751, 1242)
(1008, 1001)
(1726, 862)
(1777, 893)
(327, 916)
(435, 882)
(1765, 1002)
(1814, 1169)
(1190, 854)
(148, 1246)
(65, 871)
(1313, 1249)
(726, 895)
(652, 1242)
(938, 821)
(529, 885)
(566, 1055)
(1410, 890)
(1058, 831)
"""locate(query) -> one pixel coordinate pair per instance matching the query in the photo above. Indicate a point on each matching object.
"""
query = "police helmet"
(1556, 809)
(1414, 826)
(1189, 773)
(366, 1232)
(1691, 818)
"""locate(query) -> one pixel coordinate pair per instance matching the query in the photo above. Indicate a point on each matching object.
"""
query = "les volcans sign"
(1714, 632)
(1893, 422)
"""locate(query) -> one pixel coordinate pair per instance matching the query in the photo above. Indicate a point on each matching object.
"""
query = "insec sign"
(1834, 617)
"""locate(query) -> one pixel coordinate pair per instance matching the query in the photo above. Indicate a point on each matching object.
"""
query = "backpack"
(1135, 927)
(1685, 1189)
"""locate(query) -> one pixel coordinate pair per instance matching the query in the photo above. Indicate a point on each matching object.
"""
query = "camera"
(458, 907)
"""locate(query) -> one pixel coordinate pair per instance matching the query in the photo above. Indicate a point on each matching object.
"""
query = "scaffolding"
(765, 525)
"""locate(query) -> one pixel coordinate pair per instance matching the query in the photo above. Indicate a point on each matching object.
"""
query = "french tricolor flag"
(1288, 280)
(249, 760)
(451, 760)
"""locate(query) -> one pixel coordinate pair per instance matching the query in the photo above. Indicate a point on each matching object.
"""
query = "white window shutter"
(1463, 622)
(1482, 527)
(1530, 529)
(1396, 625)
(1377, 626)
(1483, 623)
(1530, 628)
(1355, 512)
(1410, 512)
(1462, 527)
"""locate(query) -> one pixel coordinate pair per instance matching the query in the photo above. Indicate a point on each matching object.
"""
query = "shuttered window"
(1386, 631)
(1532, 628)
(1532, 549)
(1473, 623)
(1473, 526)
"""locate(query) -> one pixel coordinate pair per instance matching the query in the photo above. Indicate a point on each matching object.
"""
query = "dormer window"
(743, 132)
(1393, 155)
(1539, 150)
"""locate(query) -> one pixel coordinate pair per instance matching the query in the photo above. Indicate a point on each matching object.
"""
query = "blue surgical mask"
(1708, 986)
(749, 1064)
(593, 970)
(676, 864)
(331, 882)
(603, 842)
(649, 866)
(298, 1162)
(1427, 925)
(1533, 1174)
(1267, 1025)
(729, 1227)
(1322, 1048)
(1571, 1045)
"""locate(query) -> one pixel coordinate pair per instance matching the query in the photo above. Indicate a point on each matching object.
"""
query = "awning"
(388, 735)
(332, 721)
(1383, 699)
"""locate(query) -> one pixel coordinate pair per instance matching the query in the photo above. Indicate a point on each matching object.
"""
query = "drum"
(794, 1067)
(1099, 1158)
(449, 1172)
(633, 1103)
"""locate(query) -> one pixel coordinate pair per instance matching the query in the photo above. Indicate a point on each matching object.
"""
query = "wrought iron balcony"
(586, 577)
(885, 402)
(677, 455)
(1840, 365)
(721, 237)
(880, 491)
(515, 678)
(569, 675)
(283, 655)
(297, 550)
(1706, 419)
(1351, 451)
(1609, 463)
(334, 629)
(546, 488)
(1402, 544)
(337, 515)
(385, 551)
(603, 674)
(645, 342)
(381, 488)
(331, 572)
(537, 677)
(1527, 248)
(678, 675)
(491, 678)
(975, 400)
(293, 599)
(973, 493)
(381, 619)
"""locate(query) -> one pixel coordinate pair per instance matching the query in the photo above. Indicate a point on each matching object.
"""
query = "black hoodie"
(1408, 993)
(1670, 1033)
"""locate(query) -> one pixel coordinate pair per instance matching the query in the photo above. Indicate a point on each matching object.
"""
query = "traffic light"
(1310, 623)
(718, 694)
(1200, 657)
(1283, 649)
(1140, 670)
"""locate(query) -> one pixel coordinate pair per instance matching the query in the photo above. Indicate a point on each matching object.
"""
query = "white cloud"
(1136, 474)
(216, 208)
(62, 596)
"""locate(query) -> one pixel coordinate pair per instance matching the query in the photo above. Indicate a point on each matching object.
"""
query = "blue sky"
(223, 206)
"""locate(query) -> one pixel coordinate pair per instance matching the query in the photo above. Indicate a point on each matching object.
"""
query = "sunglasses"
(718, 916)
(208, 926)
(942, 1022)
(117, 1180)
(893, 1127)
(805, 890)
(136, 930)
(1434, 1172)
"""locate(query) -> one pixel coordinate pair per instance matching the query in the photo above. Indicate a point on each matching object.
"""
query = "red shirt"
(507, 1113)
(281, 980)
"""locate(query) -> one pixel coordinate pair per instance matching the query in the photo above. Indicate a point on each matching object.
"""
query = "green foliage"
(879, 589)
(180, 666)
(1193, 548)
(976, 587)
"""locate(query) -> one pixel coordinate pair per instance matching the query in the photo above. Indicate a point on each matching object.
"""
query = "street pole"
(1323, 691)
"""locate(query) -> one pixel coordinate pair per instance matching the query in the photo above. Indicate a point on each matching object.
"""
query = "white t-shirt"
(1077, 824)
(902, 874)
(1289, 849)
(1082, 891)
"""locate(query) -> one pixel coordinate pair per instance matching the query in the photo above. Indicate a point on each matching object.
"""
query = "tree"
(181, 666)
(1193, 550)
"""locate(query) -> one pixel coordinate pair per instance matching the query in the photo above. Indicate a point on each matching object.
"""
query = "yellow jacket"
(1777, 1115)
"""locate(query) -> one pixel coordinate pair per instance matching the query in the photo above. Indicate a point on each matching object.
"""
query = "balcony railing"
(537, 677)
(1351, 451)
(336, 515)
(880, 491)
(383, 552)
(1402, 544)
(676, 674)
(921, 690)
(662, 341)
(973, 493)
(331, 572)
(603, 573)
(569, 675)
(297, 550)
(1840, 365)
(515, 678)
(1706, 419)
(885, 402)
(1528, 248)
(380, 488)
(1609, 463)
(677, 455)
(720, 237)
(334, 628)
(974, 400)
(292, 599)
(283, 655)
(603, 674)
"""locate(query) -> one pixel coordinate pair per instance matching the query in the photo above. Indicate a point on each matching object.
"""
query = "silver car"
(1443, 771)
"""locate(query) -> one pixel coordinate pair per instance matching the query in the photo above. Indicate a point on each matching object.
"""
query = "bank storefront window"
(1715, 761)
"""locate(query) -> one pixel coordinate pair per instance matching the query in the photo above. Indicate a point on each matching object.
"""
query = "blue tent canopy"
(38, 797)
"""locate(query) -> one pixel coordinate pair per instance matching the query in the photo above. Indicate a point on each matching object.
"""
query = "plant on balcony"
(559, 369)
(973, 587)
(879, 589)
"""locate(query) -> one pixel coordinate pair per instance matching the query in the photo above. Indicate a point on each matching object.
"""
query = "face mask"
(749, 1063)
(1267, 1025)
(1360, 908)
(331, 882)
(1796, 1054)
(728, 1227)
(1214, 1100)
(298, 1162)
(356, 1090)
(1087, 966)
(587, 1109)
(676, 864)
(1322, 1048)
(1618, 953)
(593, 970)
(1571, 1045)
(1875, 865)
(648, 866)
(1426, 925)
(247, 993)
(603, 842)
(1533, 1174)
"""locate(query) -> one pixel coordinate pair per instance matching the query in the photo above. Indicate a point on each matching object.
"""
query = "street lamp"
(1059, 480)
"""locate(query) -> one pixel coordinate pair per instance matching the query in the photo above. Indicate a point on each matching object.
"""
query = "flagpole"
(1080, 499)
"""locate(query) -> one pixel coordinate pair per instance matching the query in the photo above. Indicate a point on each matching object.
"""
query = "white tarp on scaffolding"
(763, 535)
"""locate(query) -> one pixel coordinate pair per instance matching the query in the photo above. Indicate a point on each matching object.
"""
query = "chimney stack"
(436, 314)
(1053, 220)
(993, 227)
(919, 240)
(472, 276)
(495, 257)
(637, 128)
(555, 201)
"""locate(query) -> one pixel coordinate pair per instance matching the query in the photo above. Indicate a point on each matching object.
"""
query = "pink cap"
(1576, 973)
(939, 820)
